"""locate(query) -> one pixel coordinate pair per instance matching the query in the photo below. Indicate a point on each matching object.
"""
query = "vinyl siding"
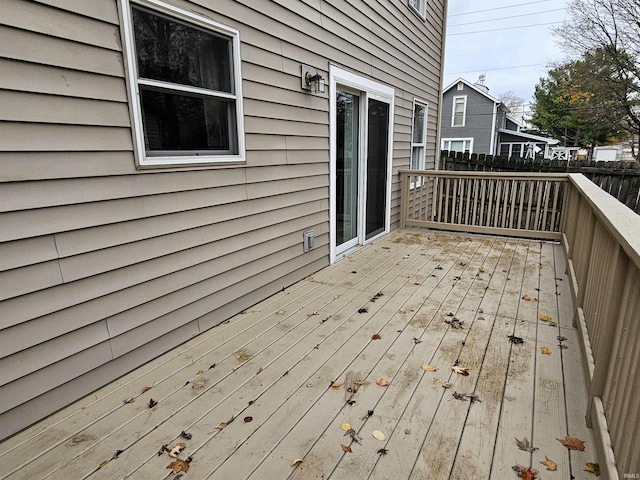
(478, 122)
(104, 267)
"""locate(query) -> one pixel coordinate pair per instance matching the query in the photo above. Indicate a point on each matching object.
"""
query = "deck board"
(275, 363)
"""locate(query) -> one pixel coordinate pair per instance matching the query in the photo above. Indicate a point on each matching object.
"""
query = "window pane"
(504, 149)
(179, 122)
(417, 157)
(458, 112)
(457, 146)
(175, 52)
(418, 123)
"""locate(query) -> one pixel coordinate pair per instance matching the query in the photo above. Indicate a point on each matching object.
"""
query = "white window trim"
(142, 160)
(470, 140)
(464, 111)
(422, 11)
(424, 131)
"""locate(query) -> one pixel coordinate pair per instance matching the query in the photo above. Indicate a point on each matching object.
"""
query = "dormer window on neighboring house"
(459, 111)
(420, 6)
(460, 86)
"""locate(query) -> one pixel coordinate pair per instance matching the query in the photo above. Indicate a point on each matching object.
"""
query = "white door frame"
(368, 89)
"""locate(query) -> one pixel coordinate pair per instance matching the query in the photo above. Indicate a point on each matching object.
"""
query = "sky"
(509, 41)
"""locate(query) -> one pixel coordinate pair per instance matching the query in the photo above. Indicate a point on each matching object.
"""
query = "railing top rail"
(622, 222)
(502, 175)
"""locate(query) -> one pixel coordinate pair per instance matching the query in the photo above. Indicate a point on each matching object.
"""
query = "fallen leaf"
(103, 464)
(545, 350)
(528, 474)
(402, 312)
(221, 426)
(561, 338)
(572, 443)
(416, 340)
(526, 298)
(545, 318)
(562, 346)
(428, 368)
(146, 389)
(130, 400)
(593, 468)
(515, 340)
(152, 403)
(473, 397)
(382, 451)
(446, 385)
(186, 435)
(376, 336)
(460, 370)
(335, 385)
(525, 446)
(297, 462)
(345, 426)
(247, 419)
(382, 382)
(354, 436)
(346, 448)
(362, 310)
(378, 435)
(259, 371)
(179, 466)
(175, 451)
(459, 396)
(199, 372)
(550, 464)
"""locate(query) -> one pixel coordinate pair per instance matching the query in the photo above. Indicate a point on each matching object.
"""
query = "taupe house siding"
(104, 266)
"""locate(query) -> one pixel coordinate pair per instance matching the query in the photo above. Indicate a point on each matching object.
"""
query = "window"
(459, 111)
(419, 6)
(460, 86)
(185, 82)
(458, 144)
(418, 135)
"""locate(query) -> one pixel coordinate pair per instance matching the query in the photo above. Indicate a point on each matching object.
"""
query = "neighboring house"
(166, 164)
(476, 122)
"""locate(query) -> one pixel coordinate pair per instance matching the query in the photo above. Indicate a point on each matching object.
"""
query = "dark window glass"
(180, 122)
(174, 52)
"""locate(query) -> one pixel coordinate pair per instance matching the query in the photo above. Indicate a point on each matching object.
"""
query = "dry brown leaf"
(175, 451)
(376, 336)
(545, 350)
(428, 368)
(382, 382)
(297, 462)
(247, 419)
(130, 400)
(526, 298)
(446, 385)
(525, 446)
(199, 372)
(402, 312)
(346, 448)
(146, 389)
(550, 464)
(221, 425)
(179, 466)
(528, 474)
(259, 371)
(103, 464)
(461, 371)
(335, 385)
(572, 443)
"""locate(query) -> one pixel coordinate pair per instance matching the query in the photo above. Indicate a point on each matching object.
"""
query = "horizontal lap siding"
(103, 267)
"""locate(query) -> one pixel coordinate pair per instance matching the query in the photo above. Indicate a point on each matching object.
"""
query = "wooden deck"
(267, 374)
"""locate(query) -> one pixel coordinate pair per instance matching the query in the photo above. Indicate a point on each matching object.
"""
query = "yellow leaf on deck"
(335, 385)
(545, 351)
(428, 368)
(345, 427)
(550, 464)
(378, 435)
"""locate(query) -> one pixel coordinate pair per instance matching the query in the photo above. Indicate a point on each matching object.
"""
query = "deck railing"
(515, 204)
(601, 240)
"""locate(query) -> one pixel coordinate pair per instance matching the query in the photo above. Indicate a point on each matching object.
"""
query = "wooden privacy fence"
(514, 204)
(620, 179)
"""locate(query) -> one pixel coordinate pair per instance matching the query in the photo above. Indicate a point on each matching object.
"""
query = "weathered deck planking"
(274, 364)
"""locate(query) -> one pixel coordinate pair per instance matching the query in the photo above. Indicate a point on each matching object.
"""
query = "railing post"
(404, 198)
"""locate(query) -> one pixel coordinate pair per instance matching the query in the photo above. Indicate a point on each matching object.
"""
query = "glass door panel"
(377, 153)
(347, 134)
